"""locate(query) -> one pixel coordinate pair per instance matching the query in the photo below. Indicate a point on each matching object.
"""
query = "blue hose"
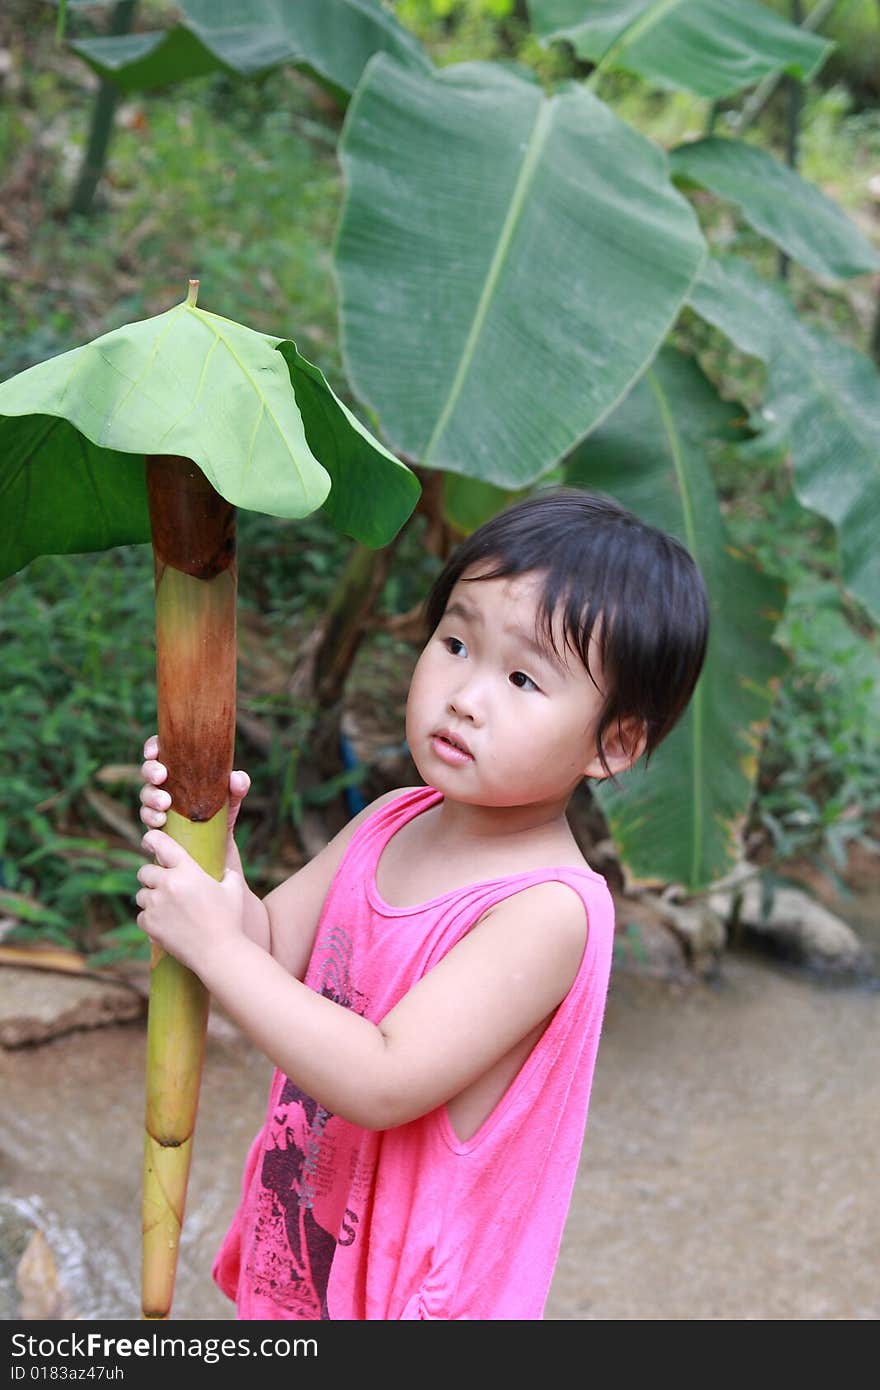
(354, 799)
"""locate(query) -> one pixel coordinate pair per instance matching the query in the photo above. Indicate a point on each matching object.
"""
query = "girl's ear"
(623, 747)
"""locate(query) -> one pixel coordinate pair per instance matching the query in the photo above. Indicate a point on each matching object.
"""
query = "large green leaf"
(776, 201)
(823, 398)
(680, 819)
(710, 47)
(361, 469)
(507, 263)
(61, 494)
(142, 62)
(191, 383)
(332, 39)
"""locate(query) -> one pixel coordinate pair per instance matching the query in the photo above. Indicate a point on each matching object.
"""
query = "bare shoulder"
(552, 906)
(546, 922)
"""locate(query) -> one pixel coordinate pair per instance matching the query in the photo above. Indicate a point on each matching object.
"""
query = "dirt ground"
(729, 1169)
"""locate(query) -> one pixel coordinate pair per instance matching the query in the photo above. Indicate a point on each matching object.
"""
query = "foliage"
(854, 25)
(820, 777)
(244, 406)
(71, 709)
(252, 137)
(702, 774)
(818, 787)
(201, 186)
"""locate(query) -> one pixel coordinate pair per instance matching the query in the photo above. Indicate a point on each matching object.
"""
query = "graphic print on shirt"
(301, 1214)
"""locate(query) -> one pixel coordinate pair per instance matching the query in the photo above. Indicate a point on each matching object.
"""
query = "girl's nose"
(468, 701)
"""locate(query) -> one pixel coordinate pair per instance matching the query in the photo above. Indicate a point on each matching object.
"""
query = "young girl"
(431, 986)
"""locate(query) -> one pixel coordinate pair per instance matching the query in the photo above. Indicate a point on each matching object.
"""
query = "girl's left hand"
(183, 909)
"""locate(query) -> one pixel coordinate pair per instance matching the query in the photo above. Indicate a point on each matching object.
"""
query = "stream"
(729, 1169)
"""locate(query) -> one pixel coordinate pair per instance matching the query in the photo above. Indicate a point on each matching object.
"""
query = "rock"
(36, 1005)
(800, 927)
(700, 927)
(695, 935)
(644, 944)
(31, 1288)
(42, 1296)
(16, 1231)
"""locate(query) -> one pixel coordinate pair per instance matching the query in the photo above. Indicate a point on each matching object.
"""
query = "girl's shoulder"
(406, 795)
(385, 800)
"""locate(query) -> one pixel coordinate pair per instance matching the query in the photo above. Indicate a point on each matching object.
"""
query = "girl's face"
(483, 681)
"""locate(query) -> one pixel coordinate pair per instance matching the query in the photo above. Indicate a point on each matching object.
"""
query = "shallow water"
(729, 1169)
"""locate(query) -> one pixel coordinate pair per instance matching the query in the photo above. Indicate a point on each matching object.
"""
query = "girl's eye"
(522, 681)
(452, 644)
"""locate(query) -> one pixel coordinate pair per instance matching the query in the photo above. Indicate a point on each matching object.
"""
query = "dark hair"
(604, 564)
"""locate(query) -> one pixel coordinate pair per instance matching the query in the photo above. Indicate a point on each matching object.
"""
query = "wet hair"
(637, 588)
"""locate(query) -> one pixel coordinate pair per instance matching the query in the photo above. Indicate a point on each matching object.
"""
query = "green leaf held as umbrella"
(241, 404)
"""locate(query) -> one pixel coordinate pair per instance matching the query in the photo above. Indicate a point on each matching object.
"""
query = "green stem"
(95, 158)
(793, 108)
(345, 624)
(875, 334)
(193, 530)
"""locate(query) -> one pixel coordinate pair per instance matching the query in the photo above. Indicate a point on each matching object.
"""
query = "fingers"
(239, 785)
(167, 852)
(154, 801)
(154, 804)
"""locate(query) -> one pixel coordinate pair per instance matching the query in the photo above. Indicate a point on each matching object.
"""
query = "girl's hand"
(155, 802)
(183, 909)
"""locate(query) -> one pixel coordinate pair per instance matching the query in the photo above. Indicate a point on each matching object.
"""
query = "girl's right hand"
(155, 801)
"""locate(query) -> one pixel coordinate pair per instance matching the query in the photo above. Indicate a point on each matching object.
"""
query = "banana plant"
(515, 348)
(159, 431)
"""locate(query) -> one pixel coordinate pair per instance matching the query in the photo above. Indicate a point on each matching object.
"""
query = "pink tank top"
(340, 1222)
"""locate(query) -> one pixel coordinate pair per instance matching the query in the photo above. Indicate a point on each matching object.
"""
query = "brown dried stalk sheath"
(194, 533)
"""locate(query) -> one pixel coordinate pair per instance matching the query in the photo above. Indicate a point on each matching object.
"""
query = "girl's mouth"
(449, 751)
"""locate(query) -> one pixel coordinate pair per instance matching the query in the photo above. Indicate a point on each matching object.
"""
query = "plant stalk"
(793, 109)
(193, 531)
(106, 101)
(874, 346)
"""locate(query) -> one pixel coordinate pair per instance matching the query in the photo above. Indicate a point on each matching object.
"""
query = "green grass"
(72, 709)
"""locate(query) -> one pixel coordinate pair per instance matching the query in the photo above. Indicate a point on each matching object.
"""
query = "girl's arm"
(493, 988)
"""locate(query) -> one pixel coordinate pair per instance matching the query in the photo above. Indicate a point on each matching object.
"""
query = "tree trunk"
(196, 581)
